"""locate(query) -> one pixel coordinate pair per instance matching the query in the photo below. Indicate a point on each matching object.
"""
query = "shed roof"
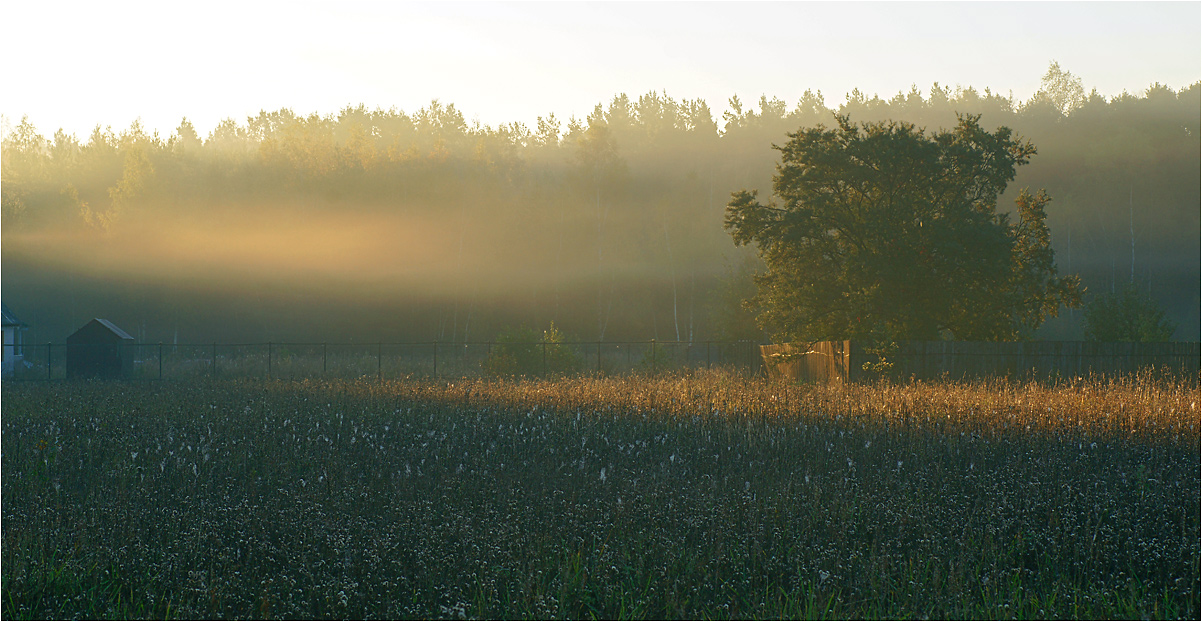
(9, 318)
(99, 329)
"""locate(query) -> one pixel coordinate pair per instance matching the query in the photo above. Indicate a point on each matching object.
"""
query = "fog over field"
(601, 310)
(396, 220)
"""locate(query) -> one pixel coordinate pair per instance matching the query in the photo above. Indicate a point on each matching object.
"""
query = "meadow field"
(696, 495)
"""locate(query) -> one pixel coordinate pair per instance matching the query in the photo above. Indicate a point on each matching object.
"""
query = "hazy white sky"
(78, 64)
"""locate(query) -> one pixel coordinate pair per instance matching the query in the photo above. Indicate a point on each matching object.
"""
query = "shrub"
(1126, 316)
(520, 352)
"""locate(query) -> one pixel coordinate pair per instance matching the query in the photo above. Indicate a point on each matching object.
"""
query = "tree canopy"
(883, 232)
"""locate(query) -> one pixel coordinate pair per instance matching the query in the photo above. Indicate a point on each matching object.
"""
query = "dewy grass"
(691, 496)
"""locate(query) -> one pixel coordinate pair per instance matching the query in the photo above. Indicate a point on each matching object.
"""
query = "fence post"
(269, 348)
(160, 360)
(544, 357)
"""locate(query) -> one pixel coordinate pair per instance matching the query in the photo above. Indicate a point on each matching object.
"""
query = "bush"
(656, 359)
(1126, 316)
(519, 352)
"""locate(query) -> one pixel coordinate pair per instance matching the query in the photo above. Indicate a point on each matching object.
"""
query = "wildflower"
(602, 473)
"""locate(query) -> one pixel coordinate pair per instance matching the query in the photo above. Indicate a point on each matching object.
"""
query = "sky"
(76, 65)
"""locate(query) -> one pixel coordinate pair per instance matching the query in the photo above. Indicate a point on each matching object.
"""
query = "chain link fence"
(49, 362)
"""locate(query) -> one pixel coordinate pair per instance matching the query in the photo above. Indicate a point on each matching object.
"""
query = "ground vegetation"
(686, 496)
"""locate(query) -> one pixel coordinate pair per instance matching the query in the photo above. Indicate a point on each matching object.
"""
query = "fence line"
(843, 361)
(312, 359)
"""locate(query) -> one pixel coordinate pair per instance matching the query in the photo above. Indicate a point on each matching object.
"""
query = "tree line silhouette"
(608, 225)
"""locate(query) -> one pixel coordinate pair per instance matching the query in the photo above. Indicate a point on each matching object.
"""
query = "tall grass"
(690, 496)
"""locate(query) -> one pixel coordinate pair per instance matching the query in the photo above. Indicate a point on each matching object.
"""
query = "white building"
(14, 342)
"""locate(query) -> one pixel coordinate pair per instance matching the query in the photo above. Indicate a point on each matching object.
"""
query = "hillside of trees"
(385, 225)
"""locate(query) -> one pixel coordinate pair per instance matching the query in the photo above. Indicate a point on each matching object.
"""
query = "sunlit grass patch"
(687, 496)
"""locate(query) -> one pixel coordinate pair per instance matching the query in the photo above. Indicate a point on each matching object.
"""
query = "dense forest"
(371, 225)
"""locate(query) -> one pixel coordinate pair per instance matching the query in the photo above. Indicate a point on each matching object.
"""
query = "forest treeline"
(382, 224)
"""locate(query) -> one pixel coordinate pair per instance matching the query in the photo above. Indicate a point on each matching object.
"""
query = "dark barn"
(100, 350)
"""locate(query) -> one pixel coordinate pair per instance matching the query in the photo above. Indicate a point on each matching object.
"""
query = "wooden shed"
(100, 350)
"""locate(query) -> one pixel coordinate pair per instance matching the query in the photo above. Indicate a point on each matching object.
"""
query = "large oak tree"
(882, 232)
